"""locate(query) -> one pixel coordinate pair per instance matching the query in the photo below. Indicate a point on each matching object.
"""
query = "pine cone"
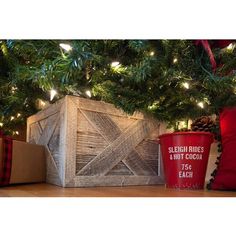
(203, 123)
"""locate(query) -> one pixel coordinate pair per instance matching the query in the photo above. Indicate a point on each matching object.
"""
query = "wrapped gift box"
(92, 143)
(28, 162)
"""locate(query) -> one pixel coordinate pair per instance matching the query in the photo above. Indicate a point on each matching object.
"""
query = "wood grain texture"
(49, 129)
(90, 181)
(139, 167)
(70, 140)
(42, 115)
(118, 150)
(35, 133)
(52, 173)
(110, 131)
(103, 107)
(48, 190)
(88, 139)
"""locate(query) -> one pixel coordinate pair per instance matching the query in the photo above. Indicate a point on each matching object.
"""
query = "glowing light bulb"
(1, 124)
(13, 89)
(66, 47)
(53, 92)
(42, 103)
(230, 46)
(115, 64)
(88, 93)
(200, 104)
(12, 118)
(182, 124)
(175, 60)
(186, 85)
(152, 53)
(18, 115)
(17, 132)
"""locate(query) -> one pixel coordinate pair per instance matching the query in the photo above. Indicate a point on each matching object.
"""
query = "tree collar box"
(28, 163)
(91, 143)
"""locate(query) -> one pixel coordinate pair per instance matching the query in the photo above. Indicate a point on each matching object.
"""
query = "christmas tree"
(171, 79)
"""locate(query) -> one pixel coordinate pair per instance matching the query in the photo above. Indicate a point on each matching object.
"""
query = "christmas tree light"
(115, 64)
(133, 85)
(152, 53)
(175, 60)
(66, 47)
(230, 46)
(88, 93)
(186, 85)
(200, 104)
(53, 93)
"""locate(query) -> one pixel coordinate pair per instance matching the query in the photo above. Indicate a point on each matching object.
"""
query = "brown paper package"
(28, 163)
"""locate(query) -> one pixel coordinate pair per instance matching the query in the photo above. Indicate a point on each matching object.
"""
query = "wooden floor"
(47, 190)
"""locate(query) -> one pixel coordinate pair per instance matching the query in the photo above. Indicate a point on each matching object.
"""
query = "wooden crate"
(92, 143)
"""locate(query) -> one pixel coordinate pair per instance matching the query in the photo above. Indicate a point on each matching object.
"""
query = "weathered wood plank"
(97, 148)
(120, 169)
(102, 107)
(35, 132)
(83, 160)
(48, 131)
(70, 139)
(122, 122)
(43, 114)
(52, 173)
(148, 149)
(90, 143)
(106, 127)
(42, 124)
(153, 163)
(54, 145)
(90, 181)
(83, 125)
(137, 165)
(118, 150)
(110, 131)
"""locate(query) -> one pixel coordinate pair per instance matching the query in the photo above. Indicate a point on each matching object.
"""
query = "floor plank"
(48, 190)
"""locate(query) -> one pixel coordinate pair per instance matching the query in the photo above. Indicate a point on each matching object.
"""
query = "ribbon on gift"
(5, 172)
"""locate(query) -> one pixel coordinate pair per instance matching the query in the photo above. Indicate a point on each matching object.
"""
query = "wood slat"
(90, 181)
(70, 110)
(119, 169)
(48, 131)
(47, 112)
(137, 165)
(52, 173)
(102, 107)
(118, 150)
(35, 133)
(43, 123)
(110, 131)
(83, 160)
(122, 122)
(54, 146)
(90, 143)
(105, 126)
(148, 149)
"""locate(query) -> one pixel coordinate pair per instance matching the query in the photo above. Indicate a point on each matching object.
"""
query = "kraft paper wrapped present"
(21, 162)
